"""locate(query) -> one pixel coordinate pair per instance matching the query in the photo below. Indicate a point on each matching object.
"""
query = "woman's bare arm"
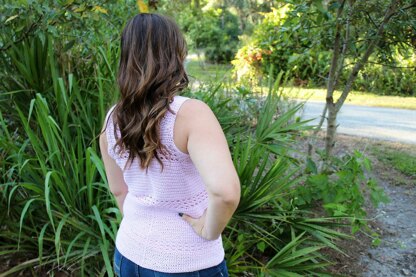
(114, 174)
(208, 149)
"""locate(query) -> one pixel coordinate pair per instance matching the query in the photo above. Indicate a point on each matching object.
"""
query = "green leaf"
(11, 18)
(261, 246)
(22, 217)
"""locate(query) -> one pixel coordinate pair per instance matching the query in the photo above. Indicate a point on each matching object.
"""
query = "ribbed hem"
(147, 256)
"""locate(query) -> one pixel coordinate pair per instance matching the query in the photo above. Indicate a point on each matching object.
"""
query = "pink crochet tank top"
(151, 233)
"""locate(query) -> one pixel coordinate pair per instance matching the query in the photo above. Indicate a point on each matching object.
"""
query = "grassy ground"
(201, 71)
(401, 160)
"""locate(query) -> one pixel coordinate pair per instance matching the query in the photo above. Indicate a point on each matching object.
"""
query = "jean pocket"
(117, 259)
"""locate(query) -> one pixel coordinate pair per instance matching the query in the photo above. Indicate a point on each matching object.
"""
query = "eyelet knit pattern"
(152, 234)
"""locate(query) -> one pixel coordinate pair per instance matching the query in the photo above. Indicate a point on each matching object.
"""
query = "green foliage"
(197, 69)
(298, 38)
(283, 41)
(384, 80)
(405, 162)
(389, 69)
(77, 29)
(342, 187)
(208, 27)
(215, 31)
(55, 186)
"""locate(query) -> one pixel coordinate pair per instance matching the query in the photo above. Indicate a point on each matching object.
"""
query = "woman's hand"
(198, 224)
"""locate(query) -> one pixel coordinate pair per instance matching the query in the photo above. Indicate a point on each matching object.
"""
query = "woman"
(167, 161)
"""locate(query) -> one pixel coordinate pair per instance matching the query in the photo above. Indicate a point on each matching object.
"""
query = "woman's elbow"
(237, 193)
(232, 196)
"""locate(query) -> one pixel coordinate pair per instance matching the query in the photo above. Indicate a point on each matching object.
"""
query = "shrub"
(384, 80)
(214, 31)
(77, 28)
(54, 185)
(281, 42)
(342, 188)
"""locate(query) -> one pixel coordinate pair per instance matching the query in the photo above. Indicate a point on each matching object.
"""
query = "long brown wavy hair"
(151, 72)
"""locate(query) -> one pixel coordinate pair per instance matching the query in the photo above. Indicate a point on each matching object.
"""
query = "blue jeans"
(123, 267)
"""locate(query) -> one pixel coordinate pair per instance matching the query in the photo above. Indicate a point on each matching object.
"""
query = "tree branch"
(413, 5)
(392, 66)
(335, 57)
(359, 65)
(344, 49)
(371, 19)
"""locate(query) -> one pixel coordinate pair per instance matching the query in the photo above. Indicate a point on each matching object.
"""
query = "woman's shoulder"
(191, 106)
(195, 112)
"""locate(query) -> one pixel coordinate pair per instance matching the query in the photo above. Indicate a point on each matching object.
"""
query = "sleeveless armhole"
(111, 141)
(175, 106)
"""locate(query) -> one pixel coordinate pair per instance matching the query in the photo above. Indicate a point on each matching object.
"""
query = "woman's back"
(151, 233)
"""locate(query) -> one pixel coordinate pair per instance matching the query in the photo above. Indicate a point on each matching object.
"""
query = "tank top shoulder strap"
(178, 100)
(111, 140)
(167, 125)
(109, 125)
(110, 112)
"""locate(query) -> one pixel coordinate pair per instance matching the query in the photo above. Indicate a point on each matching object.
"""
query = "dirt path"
(396, 255)
(395, 221)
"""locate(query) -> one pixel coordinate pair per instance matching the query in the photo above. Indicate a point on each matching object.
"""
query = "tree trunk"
(334, 108)
(195, 4)
(331, 129)
(330, 107)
